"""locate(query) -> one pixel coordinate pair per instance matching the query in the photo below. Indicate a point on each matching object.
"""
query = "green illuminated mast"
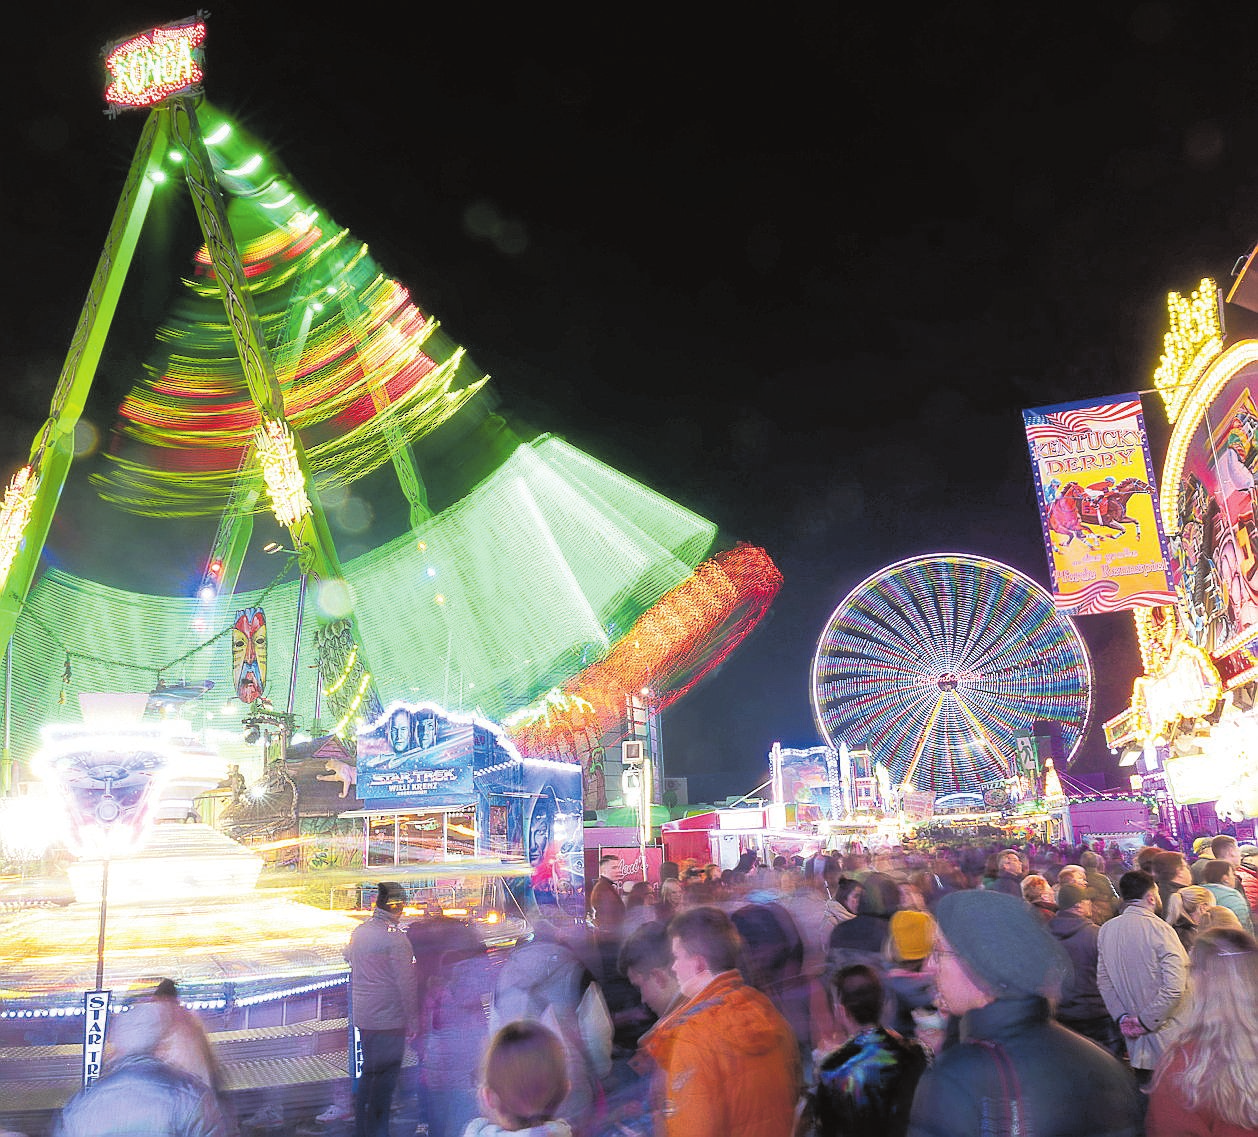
(161, 70)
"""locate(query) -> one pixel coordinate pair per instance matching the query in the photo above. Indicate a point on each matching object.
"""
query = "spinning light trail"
(940, 663)
(610, 564)
(362, 370)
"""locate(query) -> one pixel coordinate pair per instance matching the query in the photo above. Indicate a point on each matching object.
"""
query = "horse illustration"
(1109, 511)
(1064, 518)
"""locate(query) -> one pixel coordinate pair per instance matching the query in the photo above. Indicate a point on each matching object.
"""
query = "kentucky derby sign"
(1099, 507)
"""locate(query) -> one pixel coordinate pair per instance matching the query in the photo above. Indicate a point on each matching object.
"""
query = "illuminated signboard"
(1209, 502)
(807, 779)
(1189, 687)
(1198, 777)
(146, 68)
(421, 755)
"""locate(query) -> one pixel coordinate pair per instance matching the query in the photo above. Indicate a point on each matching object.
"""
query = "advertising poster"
(1213, 557)
(809, 781)
(632, 865)
(1099, 508)
(465, 774)
(417, 754)
(918, 805)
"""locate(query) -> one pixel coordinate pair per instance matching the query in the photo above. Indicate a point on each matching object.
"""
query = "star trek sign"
(95, 1016)
(147, 68)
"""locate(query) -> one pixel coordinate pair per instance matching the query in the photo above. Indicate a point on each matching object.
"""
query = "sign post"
(95, 1019)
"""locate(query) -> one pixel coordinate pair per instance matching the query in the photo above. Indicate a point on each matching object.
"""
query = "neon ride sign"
(144, 69)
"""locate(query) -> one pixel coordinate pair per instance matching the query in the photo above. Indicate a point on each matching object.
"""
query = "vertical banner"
(95, 1018)
(1099, 507)
(354, 1054)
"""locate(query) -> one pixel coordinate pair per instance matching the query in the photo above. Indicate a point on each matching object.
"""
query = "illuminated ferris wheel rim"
(947, 677)
(920, 672)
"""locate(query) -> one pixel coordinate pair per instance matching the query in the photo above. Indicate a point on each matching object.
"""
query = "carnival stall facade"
(1189, 735)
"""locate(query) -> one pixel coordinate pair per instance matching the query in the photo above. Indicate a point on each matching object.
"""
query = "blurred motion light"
(15, 512)
(280, 470)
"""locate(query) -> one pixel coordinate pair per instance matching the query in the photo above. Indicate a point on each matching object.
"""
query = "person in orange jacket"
(727, 1061)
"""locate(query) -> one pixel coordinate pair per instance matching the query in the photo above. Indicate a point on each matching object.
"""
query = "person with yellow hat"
(1204, 855)
(909, 941)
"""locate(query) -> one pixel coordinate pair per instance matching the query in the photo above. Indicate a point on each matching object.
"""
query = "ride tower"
(161, 71)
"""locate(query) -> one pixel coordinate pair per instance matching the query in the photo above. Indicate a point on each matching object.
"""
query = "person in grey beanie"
(996, 968)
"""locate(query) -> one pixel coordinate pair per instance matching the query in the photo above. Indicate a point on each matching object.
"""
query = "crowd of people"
(951, 991)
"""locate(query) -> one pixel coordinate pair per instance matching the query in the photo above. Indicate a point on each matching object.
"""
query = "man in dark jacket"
(1170, 870)
(995, 964)
(1081, 1007)
(1009, 873)
(384, 995)
(862, 939)
(605, 907)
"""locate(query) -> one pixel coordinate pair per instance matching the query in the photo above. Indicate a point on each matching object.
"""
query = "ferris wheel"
(938, 664)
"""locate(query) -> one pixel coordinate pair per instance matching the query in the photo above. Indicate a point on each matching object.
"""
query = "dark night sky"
(800, 273)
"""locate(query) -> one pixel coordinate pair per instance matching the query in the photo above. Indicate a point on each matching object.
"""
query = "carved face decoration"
(249, 654)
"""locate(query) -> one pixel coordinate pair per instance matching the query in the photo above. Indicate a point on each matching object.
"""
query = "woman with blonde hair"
(1190, 904)
(1216, 916)
(1206, 1081)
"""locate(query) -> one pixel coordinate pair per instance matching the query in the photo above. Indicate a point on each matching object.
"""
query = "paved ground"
(404, 1124)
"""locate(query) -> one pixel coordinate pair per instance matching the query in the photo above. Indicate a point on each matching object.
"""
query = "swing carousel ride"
(292, 377)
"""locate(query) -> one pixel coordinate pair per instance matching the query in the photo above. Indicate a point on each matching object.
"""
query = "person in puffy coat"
(456, 1029)
(544, 980)
(139, 1093)
(725, 1060)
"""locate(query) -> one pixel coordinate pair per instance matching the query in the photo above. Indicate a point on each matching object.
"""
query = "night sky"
(799, 271)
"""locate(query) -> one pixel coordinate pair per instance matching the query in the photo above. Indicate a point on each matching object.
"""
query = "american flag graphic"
(1046, 424)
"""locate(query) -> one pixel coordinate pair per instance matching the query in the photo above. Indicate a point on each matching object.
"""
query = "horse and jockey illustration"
(1078, 512)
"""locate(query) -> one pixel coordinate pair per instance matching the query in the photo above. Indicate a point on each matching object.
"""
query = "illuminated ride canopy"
(536, 577)
(939, 663)
(527, 583)
(363, 372)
